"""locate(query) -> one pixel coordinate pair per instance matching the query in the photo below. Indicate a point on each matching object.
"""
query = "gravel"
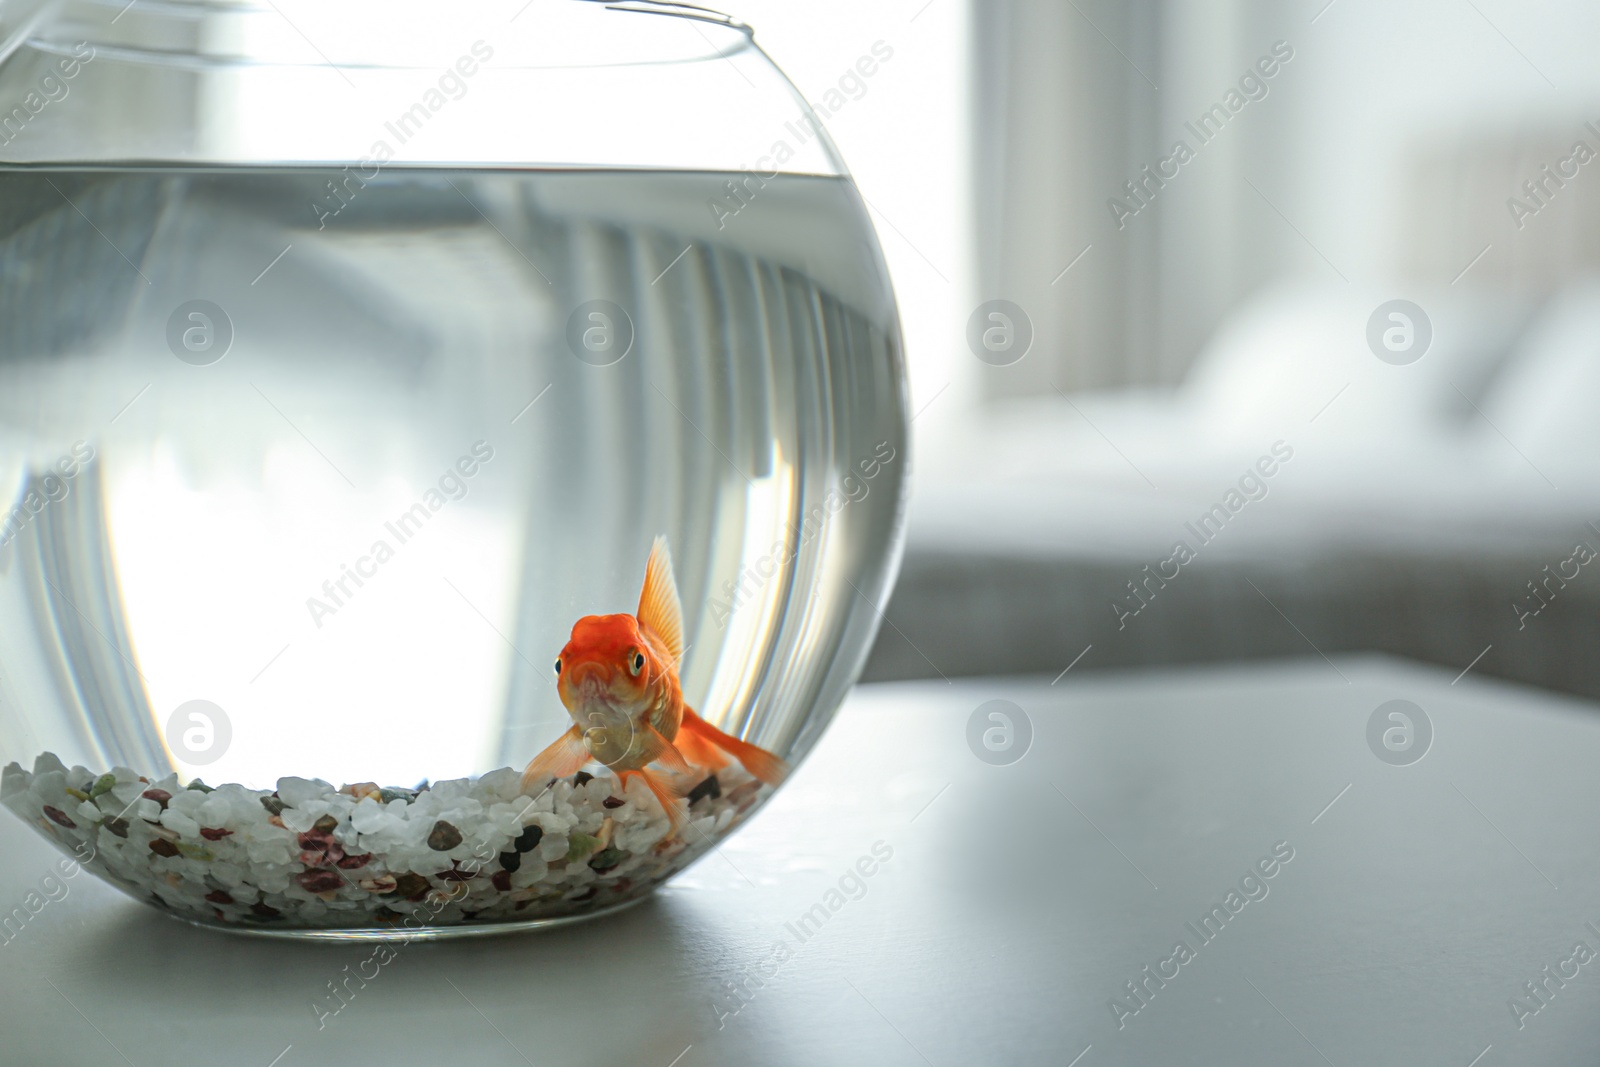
(310, 855)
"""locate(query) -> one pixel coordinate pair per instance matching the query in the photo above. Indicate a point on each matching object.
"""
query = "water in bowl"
(305, 476)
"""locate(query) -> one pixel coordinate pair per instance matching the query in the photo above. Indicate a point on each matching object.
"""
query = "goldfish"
(618, 678)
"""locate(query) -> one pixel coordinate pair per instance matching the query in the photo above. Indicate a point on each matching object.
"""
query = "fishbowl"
(451, 461)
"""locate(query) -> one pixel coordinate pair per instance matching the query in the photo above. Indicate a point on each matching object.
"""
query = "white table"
(1018, 901)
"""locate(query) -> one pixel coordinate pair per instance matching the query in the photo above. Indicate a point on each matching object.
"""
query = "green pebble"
(198, 784)
(80, 794)
(579, 846)
(195, 852)
(103, 784)
(606, 860)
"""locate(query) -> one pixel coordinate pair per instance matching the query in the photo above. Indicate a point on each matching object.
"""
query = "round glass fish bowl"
(451, 461)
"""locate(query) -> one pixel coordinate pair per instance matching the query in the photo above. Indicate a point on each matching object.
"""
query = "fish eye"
(636, 661)
(558, 667)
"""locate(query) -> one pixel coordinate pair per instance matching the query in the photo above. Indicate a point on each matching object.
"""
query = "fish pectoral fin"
(665, 795)
(660, 609)
(755, 759)
(669, 756)
(565, 756)
(699, 751)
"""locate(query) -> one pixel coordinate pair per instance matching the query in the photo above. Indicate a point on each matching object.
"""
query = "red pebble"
(59, 817)
(212, 834)
(320, 847)
(502, 881)
(160, 796)
(162, 847)
(613, 802)
(320, 881)
(315, 840)
(219, 897)
(350, 863)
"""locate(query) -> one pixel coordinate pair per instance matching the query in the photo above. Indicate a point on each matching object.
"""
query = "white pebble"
(296, 792)
(177, 821)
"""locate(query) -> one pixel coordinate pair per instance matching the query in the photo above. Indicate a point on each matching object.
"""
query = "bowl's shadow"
(605, 992)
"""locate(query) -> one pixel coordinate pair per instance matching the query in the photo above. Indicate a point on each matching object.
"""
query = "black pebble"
(708, 788)
(528, 840)
(580, 778)
(511, 860)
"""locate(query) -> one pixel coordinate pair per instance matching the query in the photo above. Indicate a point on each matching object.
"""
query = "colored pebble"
(510, 861)
(59, 817)
(708, 788)
(318, 880)
(579, 846)
(607, 859)
(444, 837)
(529, 839)
(410, 885)
(162, 847)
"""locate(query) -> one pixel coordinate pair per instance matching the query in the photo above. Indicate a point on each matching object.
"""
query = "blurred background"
(1199, 426)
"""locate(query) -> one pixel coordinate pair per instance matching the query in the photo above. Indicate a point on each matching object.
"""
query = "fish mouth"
(592, 698)
(589, 676)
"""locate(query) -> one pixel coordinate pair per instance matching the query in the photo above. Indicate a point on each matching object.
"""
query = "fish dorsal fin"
(660, 611)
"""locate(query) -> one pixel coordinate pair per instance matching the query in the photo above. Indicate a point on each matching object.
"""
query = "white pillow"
(1547, 400)
(1284, 354)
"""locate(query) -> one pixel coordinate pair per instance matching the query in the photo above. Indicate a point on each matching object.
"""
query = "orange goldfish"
(618, 677)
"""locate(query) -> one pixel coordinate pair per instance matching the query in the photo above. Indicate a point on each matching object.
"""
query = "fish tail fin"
(661, 788)
(660, 609)
(565, 755)
(755, 759)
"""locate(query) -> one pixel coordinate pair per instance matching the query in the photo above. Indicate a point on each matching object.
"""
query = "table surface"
(1017, 904)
